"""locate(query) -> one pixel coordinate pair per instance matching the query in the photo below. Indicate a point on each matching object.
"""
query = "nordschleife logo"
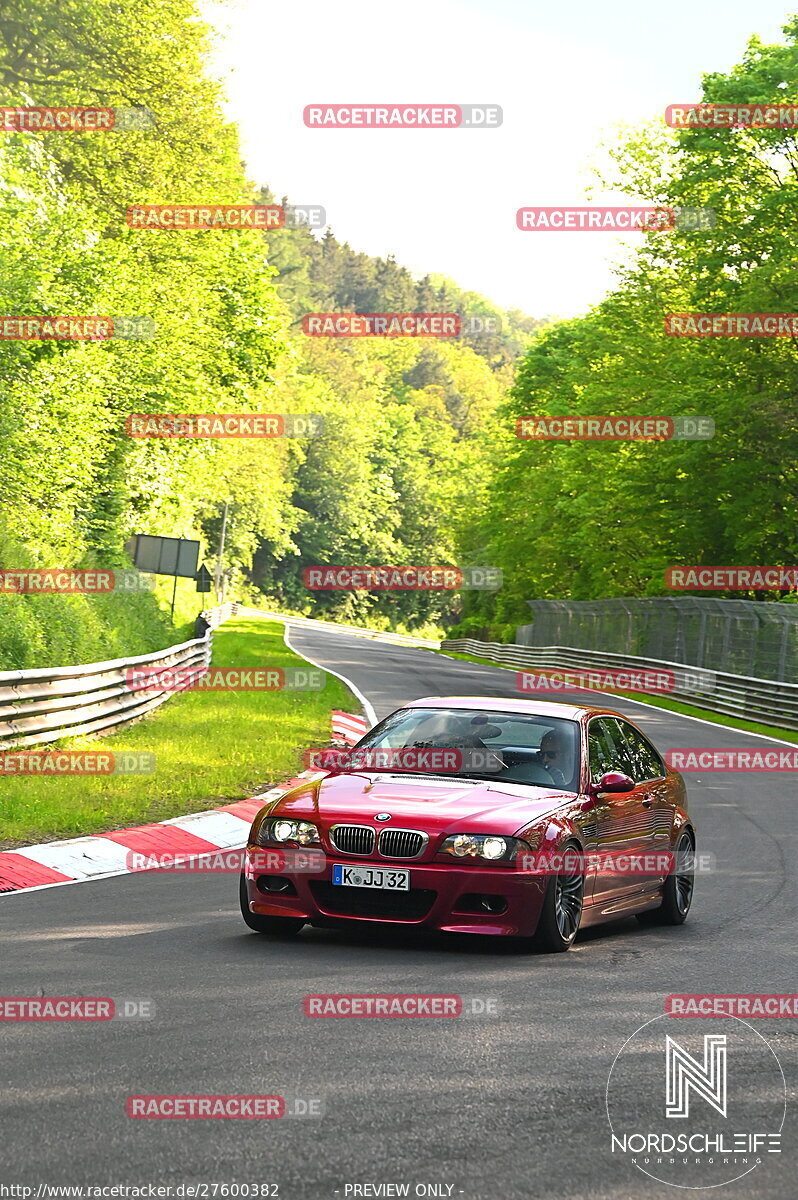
(707, 1079)
(698, 1111)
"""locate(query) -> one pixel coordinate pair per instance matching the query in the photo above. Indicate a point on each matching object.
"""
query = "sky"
(567, 75)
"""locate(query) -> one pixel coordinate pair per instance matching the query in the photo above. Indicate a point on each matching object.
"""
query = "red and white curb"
(348, 727)
(107, 854)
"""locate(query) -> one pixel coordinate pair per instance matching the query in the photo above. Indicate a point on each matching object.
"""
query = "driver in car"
(552, 755)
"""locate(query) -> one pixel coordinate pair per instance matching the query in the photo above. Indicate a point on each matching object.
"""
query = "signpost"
(165, 556)
(204, 579)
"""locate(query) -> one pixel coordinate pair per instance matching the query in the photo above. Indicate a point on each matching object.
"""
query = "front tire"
(562, 910)
(276, 926)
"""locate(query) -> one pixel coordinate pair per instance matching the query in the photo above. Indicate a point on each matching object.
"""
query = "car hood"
(433, 804)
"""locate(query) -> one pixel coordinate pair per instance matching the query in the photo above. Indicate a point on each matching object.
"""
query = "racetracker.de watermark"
(224, 679)
(712, 758)
(62, 119)
(619, 679)
(615, 429)
(75, 1008)
(255, 862)
(261, 217)
(56, 328)
(222, 1107)
(401, 579)
(27, 581)
(429, 759)
(224, 425)
(398, 1004)
(77, 762)
(614, 219)
(696, 324)
(606, 864)
(402, 116)
(736, 579)
(385, 325)
(732, 1004)
(396, 324)
(732, 116)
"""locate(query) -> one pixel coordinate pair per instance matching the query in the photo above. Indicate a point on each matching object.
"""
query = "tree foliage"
(592, 519)
(418, 463)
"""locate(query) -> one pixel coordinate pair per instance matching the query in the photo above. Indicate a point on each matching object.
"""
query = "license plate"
(371, 877)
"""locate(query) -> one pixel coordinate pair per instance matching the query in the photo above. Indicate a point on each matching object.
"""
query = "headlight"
(486, 846)
(283, 830)
(461, 845)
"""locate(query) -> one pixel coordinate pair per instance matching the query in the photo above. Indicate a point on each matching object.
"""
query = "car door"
(648, 771)
(624, 820)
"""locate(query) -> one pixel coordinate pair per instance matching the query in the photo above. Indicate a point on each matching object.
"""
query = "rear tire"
(561, 911)
(276, 926)
(677, 893)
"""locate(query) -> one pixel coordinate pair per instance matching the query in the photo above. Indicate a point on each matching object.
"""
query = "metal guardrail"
(49, 703)
(222, 612)
(399, 639)
(734, 695)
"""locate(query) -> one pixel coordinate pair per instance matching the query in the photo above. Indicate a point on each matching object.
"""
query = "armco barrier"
(734, 695)
(398, 639)
(49, 703)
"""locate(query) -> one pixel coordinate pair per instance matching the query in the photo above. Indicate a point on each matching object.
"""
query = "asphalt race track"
(502, 1107)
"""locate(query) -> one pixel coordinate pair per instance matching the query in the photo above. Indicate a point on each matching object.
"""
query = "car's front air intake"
(353, 839)
(401, 843)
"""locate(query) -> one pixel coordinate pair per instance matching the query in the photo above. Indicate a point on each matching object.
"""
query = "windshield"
(467, 743)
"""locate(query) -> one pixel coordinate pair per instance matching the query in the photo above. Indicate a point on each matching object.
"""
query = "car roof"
(539, 708)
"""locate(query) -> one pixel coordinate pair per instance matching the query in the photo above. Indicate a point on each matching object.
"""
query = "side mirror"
(615, 781)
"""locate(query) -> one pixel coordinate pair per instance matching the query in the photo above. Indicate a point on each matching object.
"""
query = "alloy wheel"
(684, 879)
(569, 890)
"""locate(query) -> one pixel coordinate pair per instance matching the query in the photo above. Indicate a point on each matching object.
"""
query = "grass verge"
(210, 748)
(689, 710)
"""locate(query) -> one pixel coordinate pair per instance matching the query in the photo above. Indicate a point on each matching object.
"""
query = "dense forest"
(594, 519)
(418, 462)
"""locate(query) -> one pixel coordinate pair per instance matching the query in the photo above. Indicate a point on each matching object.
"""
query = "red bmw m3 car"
(471, 815)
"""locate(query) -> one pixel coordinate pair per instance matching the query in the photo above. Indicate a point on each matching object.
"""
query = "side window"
(623, 758)
(601, 752)
(642, 757)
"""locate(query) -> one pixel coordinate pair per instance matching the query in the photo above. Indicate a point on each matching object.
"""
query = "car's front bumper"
(442, 896)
